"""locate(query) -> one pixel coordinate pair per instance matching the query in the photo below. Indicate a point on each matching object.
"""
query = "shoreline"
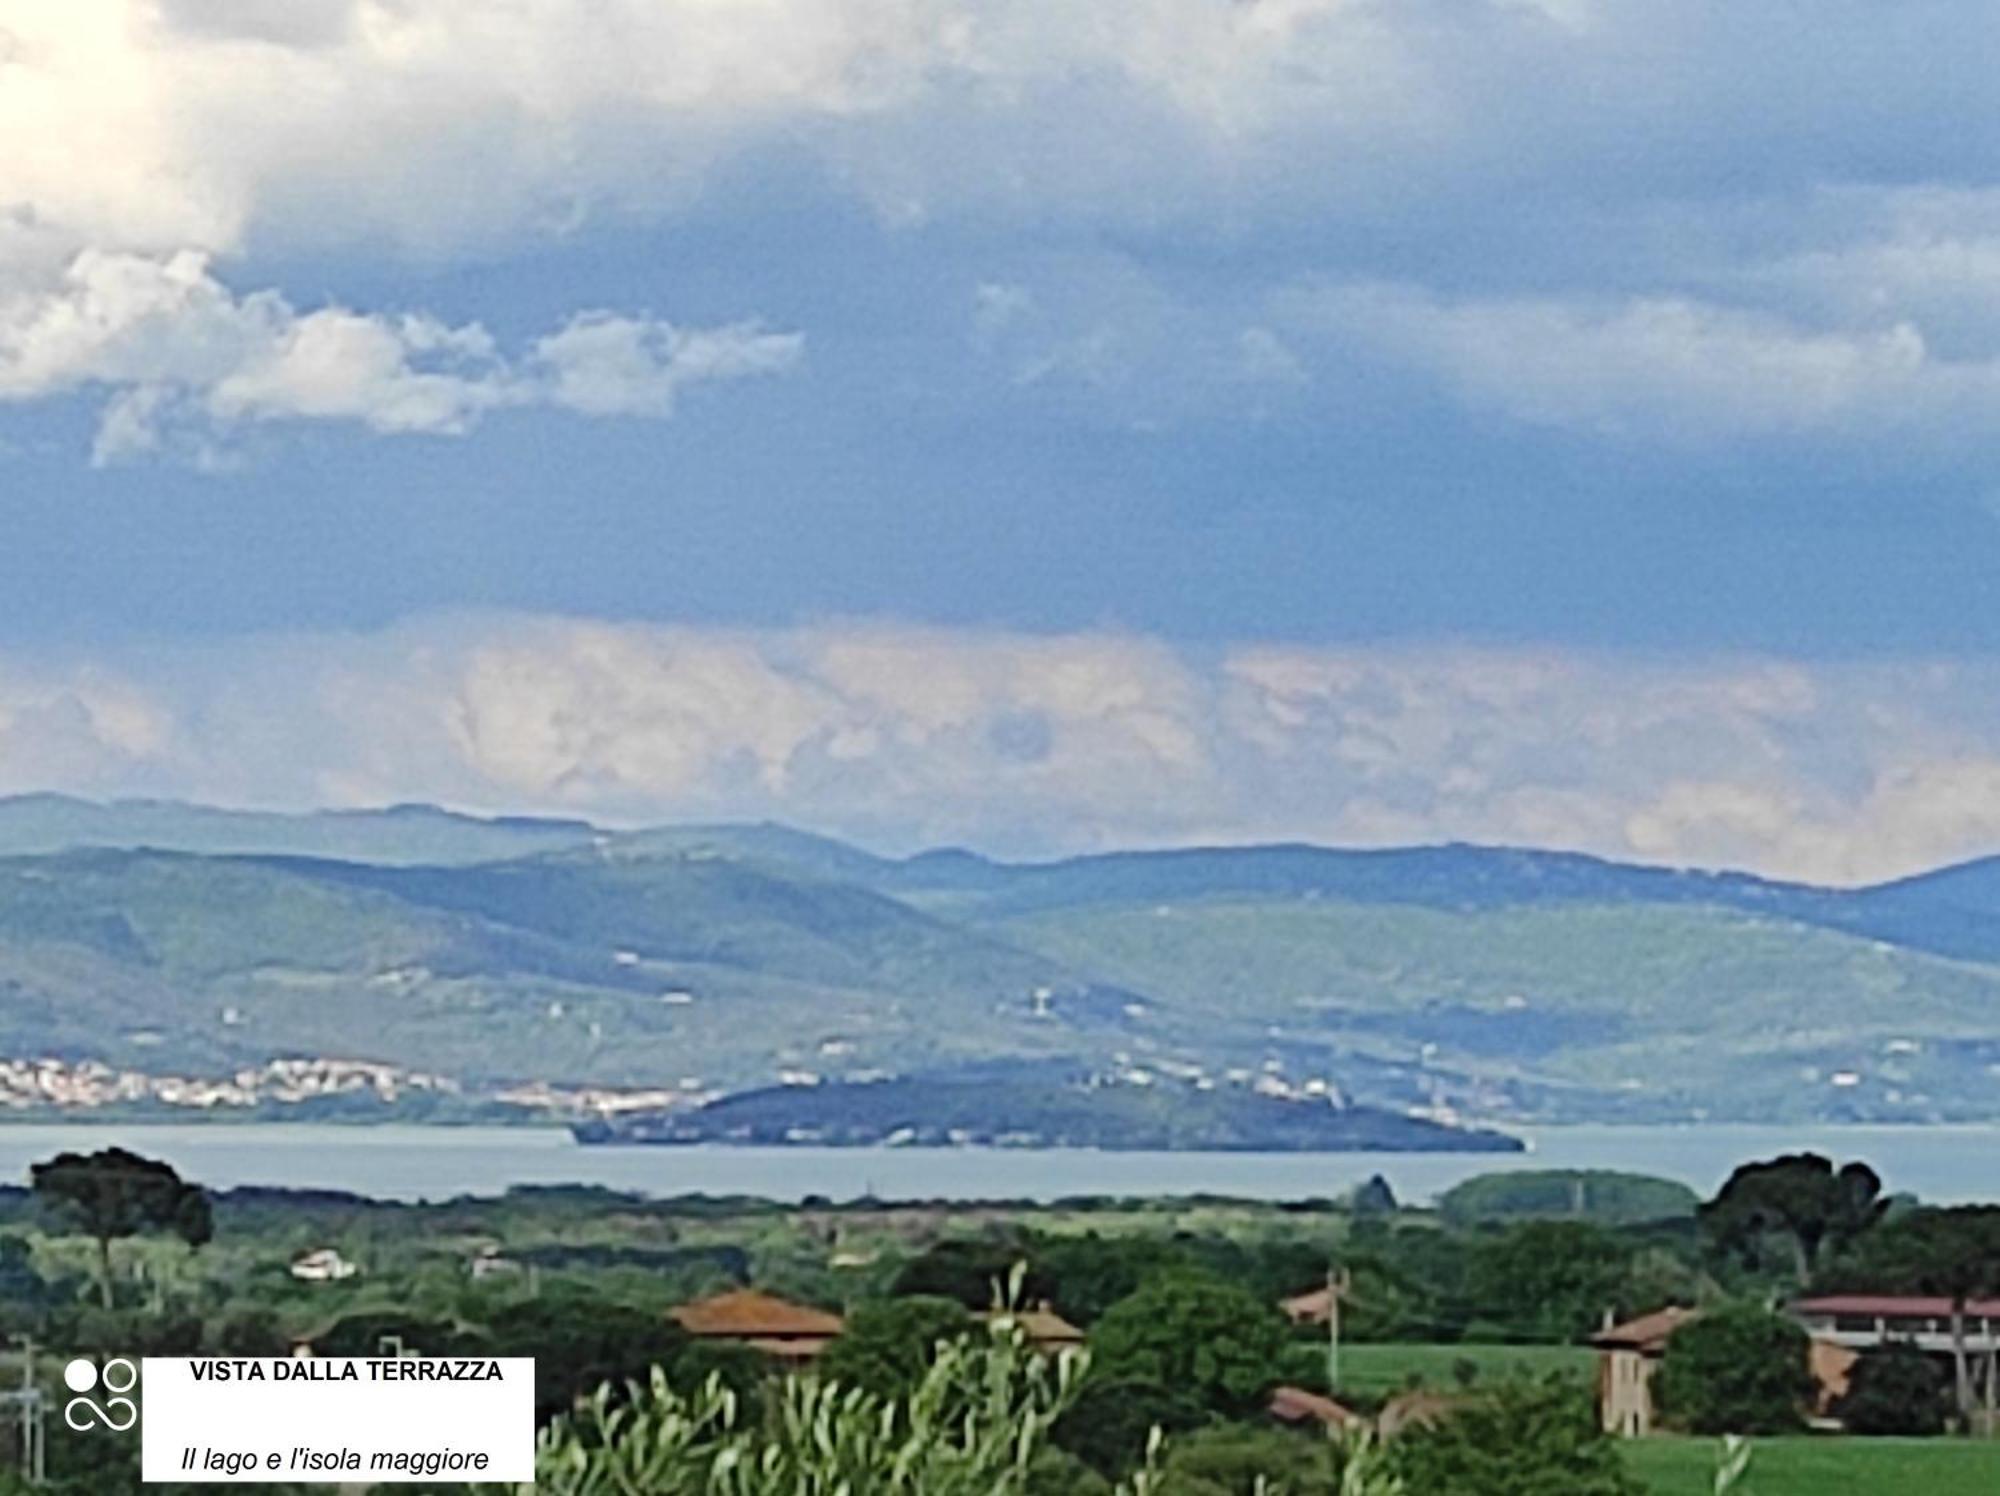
(1942, 1164)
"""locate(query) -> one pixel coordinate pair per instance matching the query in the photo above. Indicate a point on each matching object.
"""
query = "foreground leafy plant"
(977, 1424)
(1732, 1463)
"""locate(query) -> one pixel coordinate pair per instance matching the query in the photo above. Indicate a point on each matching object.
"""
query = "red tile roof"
(1296, 1405)
(1307, 1308)
(744, 1314)
(1648, 1332)
(1892, 1306)
(1042, 1325)
(1418, 1409)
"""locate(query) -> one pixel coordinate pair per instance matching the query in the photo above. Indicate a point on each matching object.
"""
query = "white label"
(312, 1419)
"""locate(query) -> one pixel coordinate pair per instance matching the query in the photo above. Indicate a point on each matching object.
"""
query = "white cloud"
(606, 365)
(1041, 744)
(163, 124)
(1664, 367)
(195, 123)
(80, 724)
(1500, 137)
(185, 361)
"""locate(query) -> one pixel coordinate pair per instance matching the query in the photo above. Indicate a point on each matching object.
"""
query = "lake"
(1941, 1164)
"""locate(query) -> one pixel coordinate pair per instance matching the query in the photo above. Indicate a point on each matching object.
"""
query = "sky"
(1039, 427)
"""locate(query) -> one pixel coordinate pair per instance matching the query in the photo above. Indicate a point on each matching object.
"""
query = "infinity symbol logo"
(83, 1413)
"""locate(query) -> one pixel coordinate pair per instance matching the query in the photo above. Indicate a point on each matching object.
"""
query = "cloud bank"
(1029, 744)
(1700, 224)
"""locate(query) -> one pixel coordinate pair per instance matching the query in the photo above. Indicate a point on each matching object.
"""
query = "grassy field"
(1825, 1467)
(1378, 1370)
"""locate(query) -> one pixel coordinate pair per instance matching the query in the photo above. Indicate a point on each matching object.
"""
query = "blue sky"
(594, 392)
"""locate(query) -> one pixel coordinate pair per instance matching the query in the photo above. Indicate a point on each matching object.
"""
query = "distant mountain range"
(1490, 982)
(34, 824)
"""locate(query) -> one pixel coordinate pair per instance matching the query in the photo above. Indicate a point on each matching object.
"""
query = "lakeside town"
(91, 1085)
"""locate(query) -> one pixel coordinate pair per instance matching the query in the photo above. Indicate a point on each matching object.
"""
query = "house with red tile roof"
(1310, 1308)
(745, 1316)
(1629, 1355)
(1046, 1330)
(1855, 1322)
(1296, 1406)
(1861, 1320)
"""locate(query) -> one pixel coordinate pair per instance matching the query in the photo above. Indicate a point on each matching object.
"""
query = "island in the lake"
(1012, 1113)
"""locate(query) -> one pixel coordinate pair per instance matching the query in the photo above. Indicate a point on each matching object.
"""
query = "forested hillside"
(1490, 982)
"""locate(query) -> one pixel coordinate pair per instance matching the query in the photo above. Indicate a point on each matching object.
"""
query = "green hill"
(1486, 981)
(619, 972)
(1651, 1010)
(35, 824)
(1605, 1196)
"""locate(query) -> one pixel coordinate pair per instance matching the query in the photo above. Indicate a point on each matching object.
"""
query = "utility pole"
(34, 1442)
(27, 1406)
(1337, 1281)
(1992, 1391)
(38, 1471)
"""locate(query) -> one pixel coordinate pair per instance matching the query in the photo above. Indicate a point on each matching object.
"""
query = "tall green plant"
(1732, 1463)
(975, 1425)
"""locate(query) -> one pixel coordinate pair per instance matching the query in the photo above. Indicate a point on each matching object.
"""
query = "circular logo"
(117, 1412)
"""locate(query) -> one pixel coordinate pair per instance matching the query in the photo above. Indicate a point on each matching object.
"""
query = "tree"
(1373, 1198)
(1520, 1438)
(362, 1334)
(740, 1370)
(1547, 1280)
(1893, 1389)
(1386, 1302)
(1953, 1253)
(969, 1271)
(888, 1345)
(113, 1194)
(580, 1342)
(1206, 1338)
(1231, 1459)
(1057, 1472)
(19, 1282)
(246, 1332)
(82, 1327)
(1799, 1198)
(1114, 1417)
(194, 1219)
(1738, 1369)
(1085, 1275)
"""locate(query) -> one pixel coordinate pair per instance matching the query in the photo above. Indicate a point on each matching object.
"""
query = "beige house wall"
(1625, 1392)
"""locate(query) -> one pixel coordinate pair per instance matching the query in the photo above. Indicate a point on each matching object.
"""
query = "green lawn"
(1825, 1467)
(1378, 1370)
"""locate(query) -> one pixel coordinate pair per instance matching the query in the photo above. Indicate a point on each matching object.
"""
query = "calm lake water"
(1941, 1164)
